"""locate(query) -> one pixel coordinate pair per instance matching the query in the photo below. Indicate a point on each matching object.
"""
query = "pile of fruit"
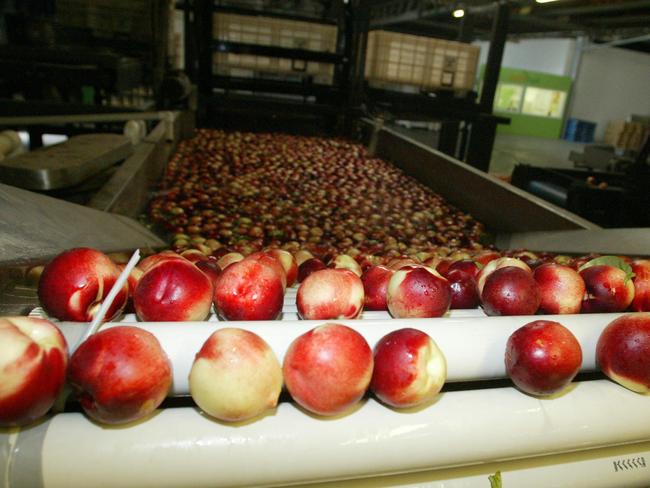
(246, 191)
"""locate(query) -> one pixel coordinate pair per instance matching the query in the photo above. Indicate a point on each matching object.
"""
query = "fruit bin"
(471, 430)
(269, 31)
(423, 62)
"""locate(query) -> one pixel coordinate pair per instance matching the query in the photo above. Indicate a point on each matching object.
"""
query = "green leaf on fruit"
(615, 261)
(495, 480)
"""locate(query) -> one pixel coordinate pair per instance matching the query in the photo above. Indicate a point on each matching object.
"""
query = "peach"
(174, 290)
(330, 294)
(641, 301)
(271, 261)
(375, 285)
(464, 292)
(210, 268)
(328, 369)
(150, 261)
(33, 362)
(465, 265)
(495, 264)
(561, 289)
(510, 291)
(542, 357)
(409, 368)
(484, 257)
(343, 261)
(302, 255)
(608, 288)
(250, 289)
(288, 262)
(74, 284)
(623, 351)
(120, 374)
(194, 255)
(228, 259)
(398, 263)
(308, 267)
(418, 292)
(235, 376)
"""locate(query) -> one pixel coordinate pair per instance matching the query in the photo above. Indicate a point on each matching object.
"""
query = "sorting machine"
(595, 434)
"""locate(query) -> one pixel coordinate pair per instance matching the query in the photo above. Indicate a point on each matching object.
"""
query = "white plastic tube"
(181, 447)
(474, 346)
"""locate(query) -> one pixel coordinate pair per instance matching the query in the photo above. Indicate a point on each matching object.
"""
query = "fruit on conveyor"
(561, 288)
(288, 262)
(74, 284)
(331, 293)
(309, 266)
(641, 270)
(235, 376)
(609, 285)
(542, 357)
(248, 191)
(33, 362)
(464, 291)
(173, 290)
(510, 291)
(375, 285)
(250, 289)
(495, 264)
(418, 292)
(120, 374)
(623, 351)
(328, 369)
(410, 369)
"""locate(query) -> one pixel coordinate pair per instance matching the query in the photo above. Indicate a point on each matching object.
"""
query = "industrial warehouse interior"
(325, 243)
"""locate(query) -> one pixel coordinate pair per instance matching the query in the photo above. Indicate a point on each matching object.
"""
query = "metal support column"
(203, 12)
(358, 40)
(189, 41)
(481, 139)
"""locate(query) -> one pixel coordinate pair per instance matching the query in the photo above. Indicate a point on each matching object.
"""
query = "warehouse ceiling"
(622, 22)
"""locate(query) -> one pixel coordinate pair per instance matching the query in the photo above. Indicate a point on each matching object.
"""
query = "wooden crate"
(423, 62)
(268, 31)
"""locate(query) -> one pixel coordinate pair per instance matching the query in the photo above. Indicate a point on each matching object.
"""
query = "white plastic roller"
(180, 447)
(474, 345)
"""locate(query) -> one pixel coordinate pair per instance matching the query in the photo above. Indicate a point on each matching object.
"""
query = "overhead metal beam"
(557, 9)
(548, 24)
(627, 20)
(618, 42)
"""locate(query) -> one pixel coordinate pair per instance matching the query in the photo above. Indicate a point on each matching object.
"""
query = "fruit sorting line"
(180, 444)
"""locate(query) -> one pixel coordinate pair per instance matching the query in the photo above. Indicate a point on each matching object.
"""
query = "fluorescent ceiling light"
(545, 1)
(458, 13)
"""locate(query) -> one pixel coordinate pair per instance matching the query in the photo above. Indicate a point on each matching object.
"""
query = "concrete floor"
(510, 150)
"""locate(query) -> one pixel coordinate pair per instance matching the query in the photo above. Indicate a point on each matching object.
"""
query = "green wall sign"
(535, 102)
